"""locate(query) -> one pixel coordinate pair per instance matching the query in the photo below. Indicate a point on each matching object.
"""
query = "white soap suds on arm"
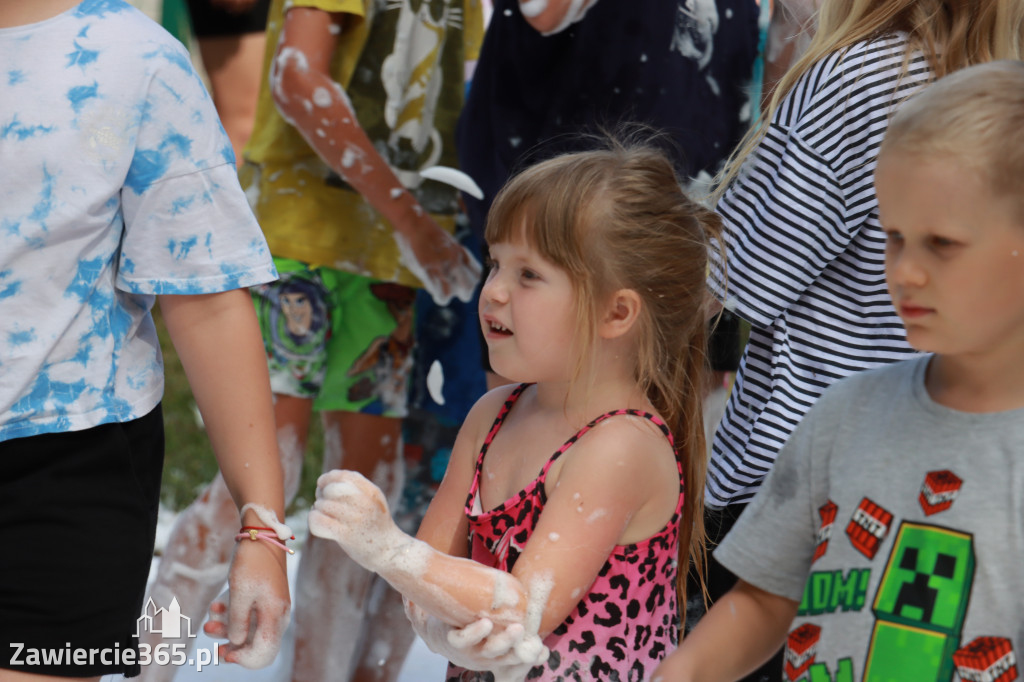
(269, 518)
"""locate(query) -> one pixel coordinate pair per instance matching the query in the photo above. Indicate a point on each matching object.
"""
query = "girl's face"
(528, 315)
(954, 257)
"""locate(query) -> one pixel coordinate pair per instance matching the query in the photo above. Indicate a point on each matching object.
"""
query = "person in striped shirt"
(805, 262)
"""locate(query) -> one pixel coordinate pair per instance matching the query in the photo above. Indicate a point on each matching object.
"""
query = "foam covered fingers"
(353, 512)
(461, 646)
(258, 607)
(504, 641)
(350, 497)
(471, 635)
(477, 646)
(530, 649)
(256, 625)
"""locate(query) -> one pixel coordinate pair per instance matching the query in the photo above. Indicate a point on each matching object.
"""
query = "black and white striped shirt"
(806, 256)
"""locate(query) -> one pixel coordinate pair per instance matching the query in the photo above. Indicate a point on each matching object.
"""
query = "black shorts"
(77, 521)
(210, 20)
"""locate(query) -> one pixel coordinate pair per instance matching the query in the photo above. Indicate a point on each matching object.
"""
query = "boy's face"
(954, 257)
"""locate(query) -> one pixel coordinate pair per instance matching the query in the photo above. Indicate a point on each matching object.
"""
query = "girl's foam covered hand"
(353, 512)
(509, 652)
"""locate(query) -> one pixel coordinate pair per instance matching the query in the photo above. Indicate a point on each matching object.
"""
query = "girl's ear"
(621, 313)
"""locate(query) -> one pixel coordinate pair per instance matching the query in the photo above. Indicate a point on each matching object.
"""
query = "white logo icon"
(168, 623)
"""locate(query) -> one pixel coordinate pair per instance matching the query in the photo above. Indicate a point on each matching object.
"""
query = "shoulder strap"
(509, 402)
(654, 419)
(499, 420)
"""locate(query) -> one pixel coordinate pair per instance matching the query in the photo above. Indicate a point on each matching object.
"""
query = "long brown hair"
(618, 218)
(951, 34)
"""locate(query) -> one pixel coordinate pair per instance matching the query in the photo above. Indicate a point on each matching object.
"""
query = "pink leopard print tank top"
(627, 622)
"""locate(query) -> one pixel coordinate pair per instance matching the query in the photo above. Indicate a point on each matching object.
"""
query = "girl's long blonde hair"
(951, 34)
(617, 218)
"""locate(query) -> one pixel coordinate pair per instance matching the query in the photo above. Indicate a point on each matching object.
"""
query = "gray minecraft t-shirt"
(898, 524)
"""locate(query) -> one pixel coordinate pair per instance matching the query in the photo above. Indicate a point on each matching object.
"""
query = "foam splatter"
(435, 382)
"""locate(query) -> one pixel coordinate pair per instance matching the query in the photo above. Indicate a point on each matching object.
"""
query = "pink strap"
(266, 536)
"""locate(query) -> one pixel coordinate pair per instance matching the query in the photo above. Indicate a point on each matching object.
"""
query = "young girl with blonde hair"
(804, 243)
(571, 498)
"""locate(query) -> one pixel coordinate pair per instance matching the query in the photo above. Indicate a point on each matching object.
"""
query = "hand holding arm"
(218, 341)
(479, 645)
(480, 611)
(316, 105)
(589, 511)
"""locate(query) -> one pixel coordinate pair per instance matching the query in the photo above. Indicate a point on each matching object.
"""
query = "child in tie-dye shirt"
(118, 187)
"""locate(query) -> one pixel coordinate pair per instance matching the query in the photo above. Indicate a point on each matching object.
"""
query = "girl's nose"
(494, 288)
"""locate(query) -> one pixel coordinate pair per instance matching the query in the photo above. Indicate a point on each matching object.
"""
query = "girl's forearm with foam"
(353, 512)
(456, 590)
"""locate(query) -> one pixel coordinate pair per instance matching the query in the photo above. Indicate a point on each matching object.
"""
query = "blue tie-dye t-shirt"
(117, 183)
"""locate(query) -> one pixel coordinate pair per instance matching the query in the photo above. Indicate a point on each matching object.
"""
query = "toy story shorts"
(341, 339)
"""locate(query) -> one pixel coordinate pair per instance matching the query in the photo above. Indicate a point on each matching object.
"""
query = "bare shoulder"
(627, 464)
(626, 441)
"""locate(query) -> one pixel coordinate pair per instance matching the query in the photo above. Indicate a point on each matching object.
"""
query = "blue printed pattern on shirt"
(117, 183)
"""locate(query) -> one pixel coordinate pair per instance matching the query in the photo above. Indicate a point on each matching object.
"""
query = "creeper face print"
(921, 605)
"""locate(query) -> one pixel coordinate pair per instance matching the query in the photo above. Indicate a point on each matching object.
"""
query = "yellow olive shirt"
(402, 65)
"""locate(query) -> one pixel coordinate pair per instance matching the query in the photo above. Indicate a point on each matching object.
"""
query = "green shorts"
(341, 339)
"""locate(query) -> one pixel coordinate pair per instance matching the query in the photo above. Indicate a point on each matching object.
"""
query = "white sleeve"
(188, 227)
(784, 222)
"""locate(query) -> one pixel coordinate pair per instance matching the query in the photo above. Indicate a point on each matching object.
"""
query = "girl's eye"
(893, 237)
(528, 274)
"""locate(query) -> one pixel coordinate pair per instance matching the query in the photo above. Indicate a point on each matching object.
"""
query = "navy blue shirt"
(680, 66)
